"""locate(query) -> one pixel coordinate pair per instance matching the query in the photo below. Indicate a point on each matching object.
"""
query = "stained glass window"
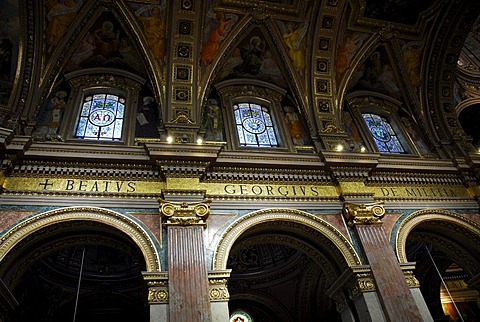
(254, 125)
(101, 117)
(383, 134)
(240, 316)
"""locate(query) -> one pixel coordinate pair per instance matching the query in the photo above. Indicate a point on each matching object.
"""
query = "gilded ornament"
(183, 213)
(157, 296)
(363, 213)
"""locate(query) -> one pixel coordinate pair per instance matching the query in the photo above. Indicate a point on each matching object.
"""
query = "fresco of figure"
(59, 17)
(411, 54)
(295, 41)
(214, 121)
(346, 51)
(50, 119)
(294, 126)
(154, 27)
(251, 54)
(215, 38)
(147, 119)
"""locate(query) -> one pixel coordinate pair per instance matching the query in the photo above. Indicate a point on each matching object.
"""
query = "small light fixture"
(199, 141)
(339, 147)
(363, 149)
(169, 139)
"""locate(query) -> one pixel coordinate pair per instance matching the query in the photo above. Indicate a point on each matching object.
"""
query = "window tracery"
(101, 117)
(254, 125)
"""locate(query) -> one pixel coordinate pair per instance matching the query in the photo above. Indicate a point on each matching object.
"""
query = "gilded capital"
(184, 213)
(363, 213)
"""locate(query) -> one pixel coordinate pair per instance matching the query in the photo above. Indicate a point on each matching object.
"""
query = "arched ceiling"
(419, 41)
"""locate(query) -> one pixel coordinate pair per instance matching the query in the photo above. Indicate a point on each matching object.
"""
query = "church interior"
(226, 160)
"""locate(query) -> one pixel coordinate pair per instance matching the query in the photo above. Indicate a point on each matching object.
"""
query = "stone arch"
(130, 227)
(238, 227)
(467, 226)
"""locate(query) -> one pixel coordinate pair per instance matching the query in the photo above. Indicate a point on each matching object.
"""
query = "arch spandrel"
(128, 226)
(423, 216)
(237, 228)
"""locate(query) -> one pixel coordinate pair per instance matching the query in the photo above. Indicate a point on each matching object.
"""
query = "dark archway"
(43, 272)
(444, 268)
(281, 272)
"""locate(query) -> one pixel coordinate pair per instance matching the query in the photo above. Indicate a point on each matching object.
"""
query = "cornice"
(196, 152)
(5, 137)
(268, 159)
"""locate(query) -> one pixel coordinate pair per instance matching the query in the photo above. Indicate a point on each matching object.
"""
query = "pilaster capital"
(217, 281)
(184, 213)
(157, 287)
(408, 270)
(356, 214)
(353, 281)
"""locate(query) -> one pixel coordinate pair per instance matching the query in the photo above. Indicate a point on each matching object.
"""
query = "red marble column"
(188, 287)
(188, 278)
(393, 291)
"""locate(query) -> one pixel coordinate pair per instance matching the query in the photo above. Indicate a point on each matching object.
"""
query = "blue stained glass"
(254, 125)
(101, 117)
(241, 136)
(251, 139)
(97, 103)
(91, 131)
(107, 131)
(271, 135)
(246, 113)
(85, 109)
(238, 119)
(268, 119)
(383, 134)
(110, 104)
(120, 110)
(117, 134)
(263, 139)
(82, 123)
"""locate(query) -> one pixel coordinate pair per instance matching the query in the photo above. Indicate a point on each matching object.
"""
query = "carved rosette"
(218, 290)
(363, 213)
(157, 287)
(184, 213)
(360, 283)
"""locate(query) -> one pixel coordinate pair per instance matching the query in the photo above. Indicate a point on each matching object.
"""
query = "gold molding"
(157, 287)
(217, 281)
(237, 228)
(363, 213)
(121, 222)
(418, 217)
(184, 213)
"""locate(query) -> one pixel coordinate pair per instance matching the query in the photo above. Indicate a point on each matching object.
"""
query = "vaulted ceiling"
(321, 52)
